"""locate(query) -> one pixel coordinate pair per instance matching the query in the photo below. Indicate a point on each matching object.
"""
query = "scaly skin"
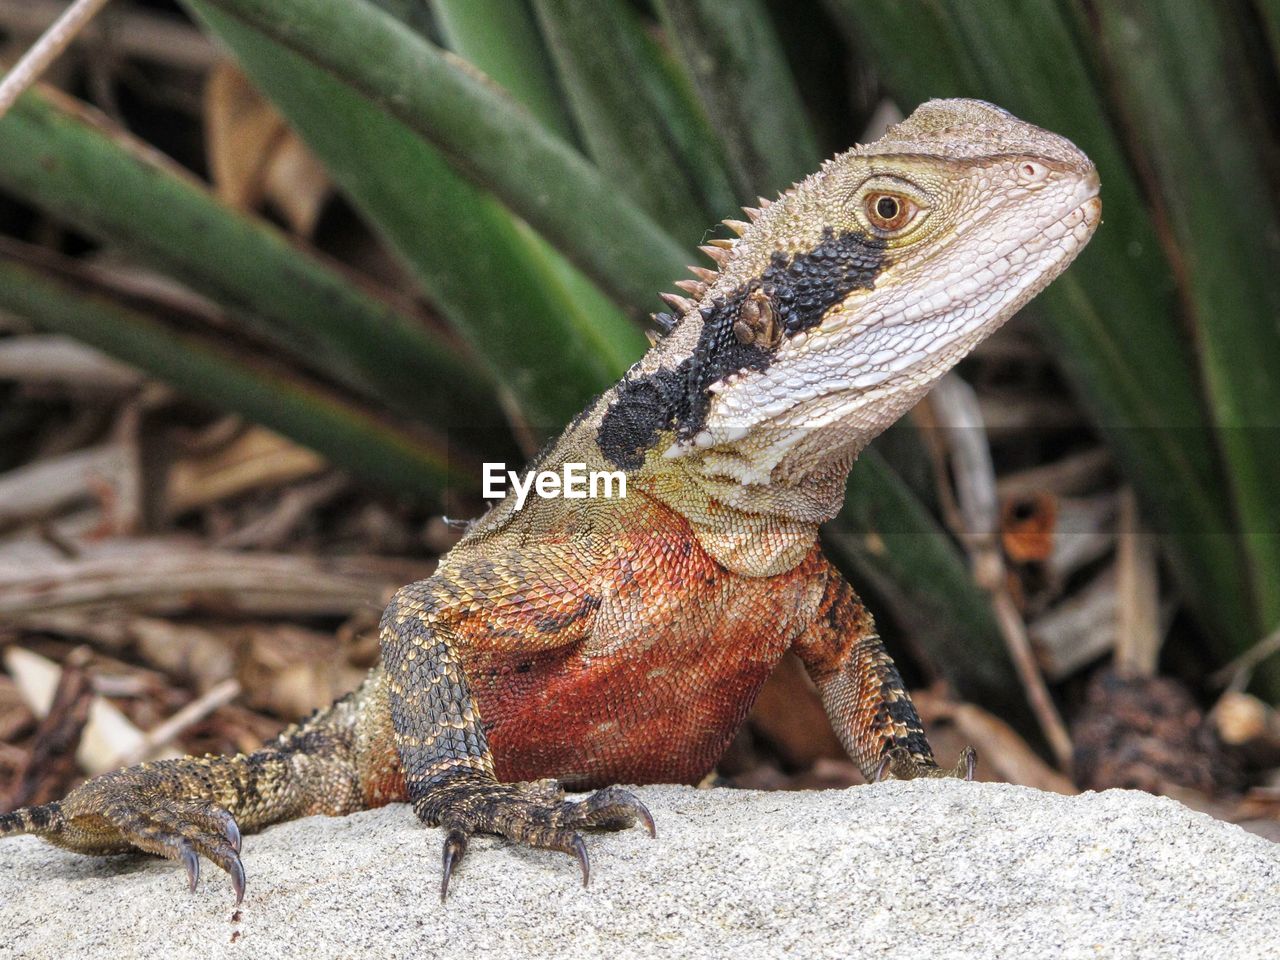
(581, 643)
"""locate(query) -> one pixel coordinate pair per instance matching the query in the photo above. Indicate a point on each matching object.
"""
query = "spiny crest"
(677, 302)
(718, 250)
(665, 322)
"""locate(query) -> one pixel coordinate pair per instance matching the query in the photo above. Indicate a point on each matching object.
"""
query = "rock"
(925, 869)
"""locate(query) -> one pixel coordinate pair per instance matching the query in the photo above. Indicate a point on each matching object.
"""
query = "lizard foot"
(132, 810)
(903, 766)
(535, 814)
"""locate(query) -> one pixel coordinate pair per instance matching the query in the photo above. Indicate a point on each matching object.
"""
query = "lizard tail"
(41, 819)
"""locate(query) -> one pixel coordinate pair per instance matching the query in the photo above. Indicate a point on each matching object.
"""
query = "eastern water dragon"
(585, 643)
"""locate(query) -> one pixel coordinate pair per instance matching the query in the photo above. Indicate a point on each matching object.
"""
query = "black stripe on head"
(798, 290)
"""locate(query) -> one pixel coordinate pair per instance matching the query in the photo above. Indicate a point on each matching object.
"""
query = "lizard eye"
(889, 212)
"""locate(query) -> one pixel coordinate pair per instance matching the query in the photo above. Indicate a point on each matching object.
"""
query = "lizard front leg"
(448, 767)
(862, 692)
(198, 806)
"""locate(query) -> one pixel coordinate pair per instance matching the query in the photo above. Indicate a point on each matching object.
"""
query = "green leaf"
(59, 295)
(493, 141)
(501, 38)
(61, 156)
(1269, 10)
(736, 61)
(551, 349)
(636, 123)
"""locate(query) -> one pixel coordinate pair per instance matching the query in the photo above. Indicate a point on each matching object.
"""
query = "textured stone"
(925, 869)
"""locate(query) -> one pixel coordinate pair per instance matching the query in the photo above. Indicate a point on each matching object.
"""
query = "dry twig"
(42, 488)
(47, 49)
(167, 575)
(51, 766)
(1236, 674)
(107, 733)
(1138, 633)
(68, 365)
(131, 32)
(165, 733)
(273, 530)
(1079, 630)
(955, 407)
(1073, 475)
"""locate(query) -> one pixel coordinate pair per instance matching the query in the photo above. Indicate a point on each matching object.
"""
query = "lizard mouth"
(1092, 211)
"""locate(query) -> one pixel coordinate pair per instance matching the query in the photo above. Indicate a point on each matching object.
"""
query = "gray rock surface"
(926, 869)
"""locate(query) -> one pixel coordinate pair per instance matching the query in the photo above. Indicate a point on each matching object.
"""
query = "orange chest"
(664, 654)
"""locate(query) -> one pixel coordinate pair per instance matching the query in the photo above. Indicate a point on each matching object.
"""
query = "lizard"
(579, 644)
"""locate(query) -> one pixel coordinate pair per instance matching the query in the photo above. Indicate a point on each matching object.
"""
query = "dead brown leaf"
(255, 458)
(255, 157)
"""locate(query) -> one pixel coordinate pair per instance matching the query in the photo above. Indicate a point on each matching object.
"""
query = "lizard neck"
(752, 530)
(746, 543)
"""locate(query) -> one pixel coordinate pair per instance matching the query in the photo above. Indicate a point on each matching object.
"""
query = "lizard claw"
(191, 860)
(128, 808)
(885, 763)
(230, 829)
(236, 869)
(646, 818)
(455, 846)
(611, 809)
(533, 814)
(967, 765)
(903, 766)
(584, 861)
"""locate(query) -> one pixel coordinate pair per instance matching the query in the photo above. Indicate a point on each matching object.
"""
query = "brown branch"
(165, 732)
(955, 407)
(65, 364)
(126, 32)
(46, 50)
(162, 575)
(1236, 674)
(51, 767)
(1138, 633)
(39, 489)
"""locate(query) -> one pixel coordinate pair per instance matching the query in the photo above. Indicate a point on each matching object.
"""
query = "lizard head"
(844, 300)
